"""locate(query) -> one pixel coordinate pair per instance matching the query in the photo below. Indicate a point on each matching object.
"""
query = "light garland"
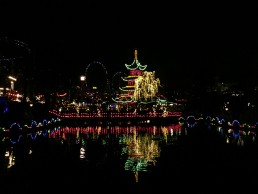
(146, 86)
(103, 66)
(136, 64)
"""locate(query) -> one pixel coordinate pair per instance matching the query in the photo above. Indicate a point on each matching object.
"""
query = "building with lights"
(137, 100)
(135, 71)
(13, 60)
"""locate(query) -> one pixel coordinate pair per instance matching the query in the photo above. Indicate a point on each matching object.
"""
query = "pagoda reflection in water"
(138, 147)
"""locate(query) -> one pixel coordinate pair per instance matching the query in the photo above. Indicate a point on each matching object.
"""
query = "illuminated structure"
(136, 69)
(139, 99)
(146, 87)
(12, 52)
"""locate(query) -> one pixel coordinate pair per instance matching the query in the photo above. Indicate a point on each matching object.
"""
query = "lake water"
(129, 159)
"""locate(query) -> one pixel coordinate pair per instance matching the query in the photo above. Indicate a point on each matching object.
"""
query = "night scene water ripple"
(131, 158)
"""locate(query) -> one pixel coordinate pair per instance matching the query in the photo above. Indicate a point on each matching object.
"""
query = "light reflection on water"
(137, 148)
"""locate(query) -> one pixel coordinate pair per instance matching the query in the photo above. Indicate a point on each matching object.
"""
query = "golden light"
(146, 86)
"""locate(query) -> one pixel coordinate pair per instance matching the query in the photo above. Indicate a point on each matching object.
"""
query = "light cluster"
(146, 86)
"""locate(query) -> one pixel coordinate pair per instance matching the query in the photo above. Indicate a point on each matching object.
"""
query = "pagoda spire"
(135, 55)
(135, 64)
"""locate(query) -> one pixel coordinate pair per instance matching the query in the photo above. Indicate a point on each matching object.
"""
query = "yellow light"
(146, 86)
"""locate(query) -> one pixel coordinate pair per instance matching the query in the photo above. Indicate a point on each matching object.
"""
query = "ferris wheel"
(105, 72)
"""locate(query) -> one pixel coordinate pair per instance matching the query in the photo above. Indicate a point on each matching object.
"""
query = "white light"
(12, 85)
(83, 78)
(12, 78)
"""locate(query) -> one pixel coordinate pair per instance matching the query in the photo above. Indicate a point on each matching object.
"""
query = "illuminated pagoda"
(135, 70)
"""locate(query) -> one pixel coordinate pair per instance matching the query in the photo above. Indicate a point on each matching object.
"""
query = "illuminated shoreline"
(114, 115)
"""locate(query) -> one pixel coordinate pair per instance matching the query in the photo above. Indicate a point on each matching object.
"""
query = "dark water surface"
(129, 159)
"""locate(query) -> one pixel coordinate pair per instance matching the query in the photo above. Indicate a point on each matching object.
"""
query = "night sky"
(181, 42)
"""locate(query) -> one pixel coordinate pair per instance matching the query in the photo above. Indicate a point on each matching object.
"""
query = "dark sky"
(181, 42)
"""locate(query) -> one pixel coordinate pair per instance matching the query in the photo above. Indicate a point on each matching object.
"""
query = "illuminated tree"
(146, 86)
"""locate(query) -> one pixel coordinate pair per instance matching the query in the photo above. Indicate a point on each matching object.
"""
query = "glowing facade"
(135, 71)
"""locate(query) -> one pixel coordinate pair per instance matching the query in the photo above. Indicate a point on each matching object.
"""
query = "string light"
(18, 139)
(103, 66)
(146, 86)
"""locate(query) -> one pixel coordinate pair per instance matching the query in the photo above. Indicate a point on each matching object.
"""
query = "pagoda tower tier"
(135, 70)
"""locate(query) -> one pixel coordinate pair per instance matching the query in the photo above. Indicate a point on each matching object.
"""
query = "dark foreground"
(194, 164)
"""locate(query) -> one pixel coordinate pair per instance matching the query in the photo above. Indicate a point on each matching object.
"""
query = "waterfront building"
(135, 71)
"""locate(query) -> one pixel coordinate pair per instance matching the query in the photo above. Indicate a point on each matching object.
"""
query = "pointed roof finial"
(135, 65)
(135, 55)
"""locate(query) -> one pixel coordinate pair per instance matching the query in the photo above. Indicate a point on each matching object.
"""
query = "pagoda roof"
(127, 88)
(129, 78)
(135, 64)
